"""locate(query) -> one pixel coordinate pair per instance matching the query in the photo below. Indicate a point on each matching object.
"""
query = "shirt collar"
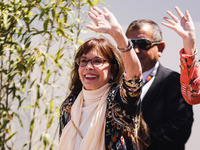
(150, 71)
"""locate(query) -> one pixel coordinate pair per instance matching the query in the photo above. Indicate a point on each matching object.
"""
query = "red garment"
(190, 78)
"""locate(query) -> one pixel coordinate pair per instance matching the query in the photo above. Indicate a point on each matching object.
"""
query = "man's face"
(148, 58)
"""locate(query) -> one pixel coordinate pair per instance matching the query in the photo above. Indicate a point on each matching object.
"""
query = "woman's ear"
(161, 47)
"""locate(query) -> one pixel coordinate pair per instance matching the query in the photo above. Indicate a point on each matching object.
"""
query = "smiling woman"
(102, 110)
(97, 64)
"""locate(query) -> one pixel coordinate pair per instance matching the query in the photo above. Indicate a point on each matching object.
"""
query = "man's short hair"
(137, 24)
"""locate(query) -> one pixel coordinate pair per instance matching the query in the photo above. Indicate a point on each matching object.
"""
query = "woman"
(190, 71)
(102, 111)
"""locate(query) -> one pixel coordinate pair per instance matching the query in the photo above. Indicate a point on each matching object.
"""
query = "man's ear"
(161, 47)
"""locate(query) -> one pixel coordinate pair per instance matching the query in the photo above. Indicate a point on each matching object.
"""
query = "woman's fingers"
(106, 10)
(97, 10)
(167, 25)
(179, 12)
(173, 16)
(188, 16)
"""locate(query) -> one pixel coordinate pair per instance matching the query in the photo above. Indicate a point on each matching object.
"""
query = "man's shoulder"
(167, 76)
(167, 72)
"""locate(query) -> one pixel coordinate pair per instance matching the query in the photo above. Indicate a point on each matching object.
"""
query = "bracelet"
(128, 48)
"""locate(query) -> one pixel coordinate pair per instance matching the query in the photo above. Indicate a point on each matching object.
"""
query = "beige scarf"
(86, 129)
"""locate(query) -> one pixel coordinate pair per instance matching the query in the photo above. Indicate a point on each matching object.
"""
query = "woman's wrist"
(121, 40)
(128, 48)
(189, 45)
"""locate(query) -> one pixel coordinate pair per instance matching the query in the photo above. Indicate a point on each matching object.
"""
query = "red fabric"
(190, 78)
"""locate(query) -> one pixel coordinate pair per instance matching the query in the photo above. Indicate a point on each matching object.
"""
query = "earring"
(111, 78)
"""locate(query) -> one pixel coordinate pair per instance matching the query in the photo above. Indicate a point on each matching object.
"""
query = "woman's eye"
(97, 61)
(83, 60)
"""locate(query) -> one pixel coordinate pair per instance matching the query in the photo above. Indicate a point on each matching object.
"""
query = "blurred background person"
(190, 71)
(167, 115)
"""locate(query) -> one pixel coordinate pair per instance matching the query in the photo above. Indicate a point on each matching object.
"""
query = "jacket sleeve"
(190, 78)
(130, 92)
(123, 114)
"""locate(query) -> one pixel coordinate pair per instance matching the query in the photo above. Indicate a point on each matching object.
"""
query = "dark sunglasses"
(144, 44)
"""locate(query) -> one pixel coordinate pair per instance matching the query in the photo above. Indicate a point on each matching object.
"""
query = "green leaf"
(20, 121)
(5, 20)
(51, 106)
(50, 122)
(46, 139)
(80, 42)
(9, 137)
(28, 107)
(58, 112)
(42, 13)
(31, 126)
(5, 123)
(45, 25)
(46, 111)
(48, 74)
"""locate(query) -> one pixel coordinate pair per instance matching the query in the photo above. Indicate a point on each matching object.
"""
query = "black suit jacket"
(166, 113)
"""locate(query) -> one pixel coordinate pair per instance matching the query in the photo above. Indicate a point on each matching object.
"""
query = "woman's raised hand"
(184, 27)
(105, 21)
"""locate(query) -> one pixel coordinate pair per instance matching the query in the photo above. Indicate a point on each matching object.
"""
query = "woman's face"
(94, 77)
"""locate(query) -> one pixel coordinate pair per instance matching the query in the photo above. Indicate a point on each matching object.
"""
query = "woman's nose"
(89, 65)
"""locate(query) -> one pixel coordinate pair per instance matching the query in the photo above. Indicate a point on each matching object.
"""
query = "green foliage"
(37, 42)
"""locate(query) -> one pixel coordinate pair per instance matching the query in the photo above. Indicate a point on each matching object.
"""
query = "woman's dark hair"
(143, 134)
(108, 51)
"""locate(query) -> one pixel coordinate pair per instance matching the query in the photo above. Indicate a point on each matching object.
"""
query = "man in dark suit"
(167, 115)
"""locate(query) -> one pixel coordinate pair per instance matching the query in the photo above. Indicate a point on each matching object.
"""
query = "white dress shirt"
(146, 84)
